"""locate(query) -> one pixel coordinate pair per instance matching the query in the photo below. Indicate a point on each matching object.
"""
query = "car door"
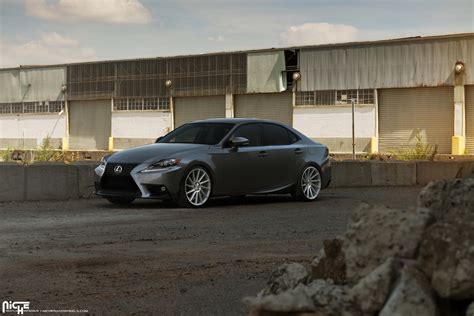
(243, 167)
(283, 156)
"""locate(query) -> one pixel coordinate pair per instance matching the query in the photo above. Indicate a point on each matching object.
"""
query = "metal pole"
(353, 130)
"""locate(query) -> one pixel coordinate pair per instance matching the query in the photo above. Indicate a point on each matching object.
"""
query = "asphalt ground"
(153, 257)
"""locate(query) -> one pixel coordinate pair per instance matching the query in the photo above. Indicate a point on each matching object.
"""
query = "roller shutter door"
(273, 106)
(89, 124)
(198, 108)
(403, 111)
(469, 94)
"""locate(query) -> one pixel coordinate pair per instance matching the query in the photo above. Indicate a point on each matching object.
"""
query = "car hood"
(153, 152)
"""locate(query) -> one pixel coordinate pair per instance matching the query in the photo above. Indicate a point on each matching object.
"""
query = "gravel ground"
(153, 257)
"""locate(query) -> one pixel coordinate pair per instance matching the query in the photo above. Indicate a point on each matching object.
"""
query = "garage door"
(273, 106)
(469, 94)
(198, 108)
(402, 112)
(89, 124)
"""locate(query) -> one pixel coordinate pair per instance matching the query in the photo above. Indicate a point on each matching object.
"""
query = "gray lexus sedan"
(217, 157)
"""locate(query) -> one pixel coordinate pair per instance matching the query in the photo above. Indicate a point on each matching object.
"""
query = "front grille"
(120, 184)
(126, 169)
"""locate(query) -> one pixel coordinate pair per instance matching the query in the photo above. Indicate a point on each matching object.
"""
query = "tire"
(308, 184)
(196, 188)
(121, 201)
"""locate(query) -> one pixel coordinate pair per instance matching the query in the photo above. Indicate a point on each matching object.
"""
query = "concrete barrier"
(51, 181)
(351, 174)
(393, 173)
(56, 181)
(85, 177)
(12, 182)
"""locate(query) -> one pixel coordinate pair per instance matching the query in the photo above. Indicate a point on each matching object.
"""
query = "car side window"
(274, 135)
(251, 132)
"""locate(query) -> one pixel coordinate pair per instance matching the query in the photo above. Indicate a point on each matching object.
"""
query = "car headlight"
(101, 167)
(162, 164)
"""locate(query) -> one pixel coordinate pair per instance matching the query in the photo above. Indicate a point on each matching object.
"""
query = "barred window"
(42, 107)
(142, 104)
(120, 104)
(135, 104)
(334, 97)
(5, 108)
(31, 107)
(56, 106)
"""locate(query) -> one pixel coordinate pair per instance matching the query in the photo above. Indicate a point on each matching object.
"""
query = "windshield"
(198, 133)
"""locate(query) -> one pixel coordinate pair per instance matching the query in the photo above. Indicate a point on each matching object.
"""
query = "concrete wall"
(28, 130)
(55, 181)
(332, 126)
(131, 129)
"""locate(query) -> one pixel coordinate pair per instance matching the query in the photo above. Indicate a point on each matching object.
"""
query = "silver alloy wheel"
(311, 182)
(198, 186)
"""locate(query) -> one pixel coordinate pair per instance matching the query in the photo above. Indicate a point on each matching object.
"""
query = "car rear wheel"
(196, 188)
(122, 201)
(308, 186)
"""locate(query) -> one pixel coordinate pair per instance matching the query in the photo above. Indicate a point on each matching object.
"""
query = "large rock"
(447, 257)
(285, 277)
(372, 291)
(377, 233)
(319, 297)
(412, 296)
(447, 249)
(470, 310)
(330, 263)
(448, 198)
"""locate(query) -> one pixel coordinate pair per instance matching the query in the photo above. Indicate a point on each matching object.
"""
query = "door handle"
(298, 151)
(263, 153)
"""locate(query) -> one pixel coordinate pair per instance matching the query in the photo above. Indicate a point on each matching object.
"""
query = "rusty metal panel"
(265, 72)
(386, 65)
(43, 84)
(10, 83)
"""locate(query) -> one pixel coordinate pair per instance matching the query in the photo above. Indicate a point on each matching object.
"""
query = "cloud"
(218, 38)
(318, 33)
(105, 11)
(49, 48)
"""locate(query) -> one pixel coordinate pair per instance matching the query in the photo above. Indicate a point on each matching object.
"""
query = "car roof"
(234, 120)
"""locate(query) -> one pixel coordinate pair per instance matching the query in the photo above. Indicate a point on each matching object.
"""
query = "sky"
(36, 32)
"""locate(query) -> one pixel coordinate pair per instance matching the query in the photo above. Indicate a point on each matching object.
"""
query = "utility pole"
(353, 130)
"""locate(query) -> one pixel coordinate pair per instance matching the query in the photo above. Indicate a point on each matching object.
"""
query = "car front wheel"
(195, 188)
(308, 185)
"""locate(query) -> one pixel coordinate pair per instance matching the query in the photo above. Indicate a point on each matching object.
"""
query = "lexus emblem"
(118, 169)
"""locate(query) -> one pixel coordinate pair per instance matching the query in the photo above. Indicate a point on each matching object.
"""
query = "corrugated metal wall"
(469, 97)
(387, 65)
(265, 72)
(198, 108)
(404, 111)
(32, 84)
(272, 106)
(90, 124)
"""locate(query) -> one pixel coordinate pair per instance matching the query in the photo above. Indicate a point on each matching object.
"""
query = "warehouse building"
(401, 87)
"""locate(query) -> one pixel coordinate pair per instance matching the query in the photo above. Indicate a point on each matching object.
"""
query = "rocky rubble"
(389, 262)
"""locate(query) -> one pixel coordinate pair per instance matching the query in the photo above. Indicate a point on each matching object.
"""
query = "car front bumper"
(159, 184)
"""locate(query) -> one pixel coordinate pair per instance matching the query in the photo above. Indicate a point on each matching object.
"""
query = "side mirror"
(158, 139)
(238, 142)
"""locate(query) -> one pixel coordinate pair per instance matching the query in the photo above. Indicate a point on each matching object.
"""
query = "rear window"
(274, 135)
